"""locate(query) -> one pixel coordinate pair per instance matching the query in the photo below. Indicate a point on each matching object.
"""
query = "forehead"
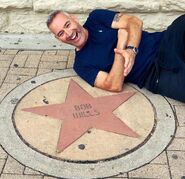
(58, 22)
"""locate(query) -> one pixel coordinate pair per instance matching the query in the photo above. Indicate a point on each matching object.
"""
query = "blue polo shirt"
(98, 53)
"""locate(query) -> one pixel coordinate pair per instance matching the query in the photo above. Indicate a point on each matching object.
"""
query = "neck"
(85, 41)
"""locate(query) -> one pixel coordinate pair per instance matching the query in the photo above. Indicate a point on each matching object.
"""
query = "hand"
(129, 59)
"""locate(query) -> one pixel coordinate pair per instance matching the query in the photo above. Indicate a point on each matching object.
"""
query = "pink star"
(81, 112)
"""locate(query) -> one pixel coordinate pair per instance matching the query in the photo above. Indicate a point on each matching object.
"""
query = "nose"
(68, 32)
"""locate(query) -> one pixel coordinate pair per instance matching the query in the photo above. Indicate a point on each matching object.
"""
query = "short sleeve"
(87, 73)
(102, 16)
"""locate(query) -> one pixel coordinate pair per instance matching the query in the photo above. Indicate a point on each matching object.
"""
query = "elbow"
(139, 23)
(113, 87)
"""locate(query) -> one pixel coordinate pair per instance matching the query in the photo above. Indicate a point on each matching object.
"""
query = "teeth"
(73, 37)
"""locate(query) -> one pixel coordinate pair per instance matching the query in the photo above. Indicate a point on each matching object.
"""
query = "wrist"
(134, 49)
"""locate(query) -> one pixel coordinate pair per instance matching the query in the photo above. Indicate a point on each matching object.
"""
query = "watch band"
(134, 49)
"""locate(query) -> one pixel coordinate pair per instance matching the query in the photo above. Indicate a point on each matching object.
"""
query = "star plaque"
(81, 112)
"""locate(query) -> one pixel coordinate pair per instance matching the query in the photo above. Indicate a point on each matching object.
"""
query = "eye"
(61, 33)
(68, 24)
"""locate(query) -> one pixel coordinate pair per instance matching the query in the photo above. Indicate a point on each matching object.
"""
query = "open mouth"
(75, 36)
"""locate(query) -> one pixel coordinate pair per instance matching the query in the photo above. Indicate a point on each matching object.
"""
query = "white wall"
(29, 16)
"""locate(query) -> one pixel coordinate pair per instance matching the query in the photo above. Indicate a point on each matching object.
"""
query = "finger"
(128, 69)
(127, 61)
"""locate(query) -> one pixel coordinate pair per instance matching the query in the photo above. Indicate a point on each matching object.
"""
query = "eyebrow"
(63, 26)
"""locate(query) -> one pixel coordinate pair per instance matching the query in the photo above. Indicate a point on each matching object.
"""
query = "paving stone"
(29, 171)
(54, 58)
(161, 159)
(177, 144)
(180, 132)
(3, 154)
(123, 175)
(5, 88)
(50, 52)
(71, 59)
(5, 64)
(177, 164)
(11, 52)
(63, 52)
(117, 177)
(48, 177)
(16, 79)
(53, 65)
(151, 171)
(2, 51)
(2, 162)
(23, 71)
(11, 176)
(29, 52)
(33, 61)
(19, 61)
(43, 71)
(3, 72)
(174, 102)
(13, 167)
(180, 112)
(6, 57)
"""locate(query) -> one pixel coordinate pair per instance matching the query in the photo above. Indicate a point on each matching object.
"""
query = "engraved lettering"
(84, 111)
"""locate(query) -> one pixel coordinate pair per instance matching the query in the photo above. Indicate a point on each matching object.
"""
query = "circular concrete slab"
(32, 138)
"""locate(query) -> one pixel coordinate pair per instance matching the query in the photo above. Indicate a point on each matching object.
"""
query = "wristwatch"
(134, 49)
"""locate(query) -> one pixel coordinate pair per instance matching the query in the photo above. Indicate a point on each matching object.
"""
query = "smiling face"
(68, 30)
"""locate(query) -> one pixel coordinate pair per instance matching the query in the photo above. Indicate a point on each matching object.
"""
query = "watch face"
(135, 50)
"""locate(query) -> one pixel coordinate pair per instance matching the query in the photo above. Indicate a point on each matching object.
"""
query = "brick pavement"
(17, 66)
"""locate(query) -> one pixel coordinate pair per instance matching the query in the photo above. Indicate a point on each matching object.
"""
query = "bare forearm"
(134, 31)
(115, 78)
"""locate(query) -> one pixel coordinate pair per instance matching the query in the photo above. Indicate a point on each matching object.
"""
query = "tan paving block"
(123, 175)
(2, 162)
(174, 102)
(71, 59)
(48, 177)
(19, 61)
(3, 72)
(16, 79)
(23, 71)
(43, 71)
(151, 171)
(3, 154)
(5, 88)
(5, 64)
(2, 51)
(161, 159)
(29, 171)
(11, 176)
(180, 112)
(50, 52)
(180, 132)
(53, 65)
(33, 61)
(63, 52)
(13, 167)
(177, 164)
(6, 57)
(29, 52)
(11, 52)
(177, 144)
(53, 58)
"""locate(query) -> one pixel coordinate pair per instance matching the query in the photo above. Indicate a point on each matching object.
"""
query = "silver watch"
(135, 49)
